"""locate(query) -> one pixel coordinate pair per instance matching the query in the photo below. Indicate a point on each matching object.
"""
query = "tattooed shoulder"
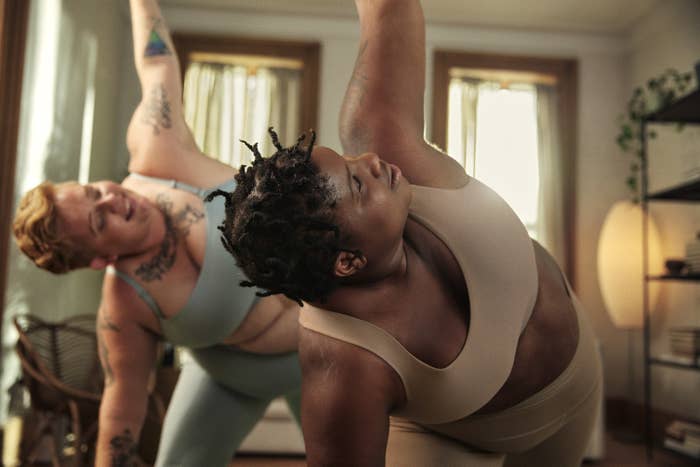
(177, 226)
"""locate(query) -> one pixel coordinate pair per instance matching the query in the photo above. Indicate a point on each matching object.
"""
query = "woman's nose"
(107, 200)
(373, 162)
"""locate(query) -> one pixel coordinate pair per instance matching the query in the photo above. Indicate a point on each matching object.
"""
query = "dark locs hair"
(279, 223)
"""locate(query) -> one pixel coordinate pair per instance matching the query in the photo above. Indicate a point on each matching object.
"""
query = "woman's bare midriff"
(270, 327)
(548, 342)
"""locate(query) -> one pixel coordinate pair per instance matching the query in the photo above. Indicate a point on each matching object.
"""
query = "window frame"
(14, 20)
(566, 72)
(307, 52)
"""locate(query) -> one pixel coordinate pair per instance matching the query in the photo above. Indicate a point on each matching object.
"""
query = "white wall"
(669, 37)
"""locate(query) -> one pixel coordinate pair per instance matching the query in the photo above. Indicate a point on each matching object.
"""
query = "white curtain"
(463, 109)
(227, 103)
(461, 131)
(550, 203)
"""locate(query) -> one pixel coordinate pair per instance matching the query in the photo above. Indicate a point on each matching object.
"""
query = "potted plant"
(656, 94)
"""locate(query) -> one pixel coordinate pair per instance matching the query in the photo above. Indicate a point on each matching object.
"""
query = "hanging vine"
(656, 94)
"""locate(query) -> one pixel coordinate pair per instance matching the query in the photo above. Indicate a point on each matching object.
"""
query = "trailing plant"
(658, 93)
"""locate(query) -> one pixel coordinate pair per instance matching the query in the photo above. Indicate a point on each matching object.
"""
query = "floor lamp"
(620, 275)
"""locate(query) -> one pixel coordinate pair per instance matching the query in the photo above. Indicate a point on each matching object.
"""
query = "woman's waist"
(270, 327)
(547, 344)
(545, 409)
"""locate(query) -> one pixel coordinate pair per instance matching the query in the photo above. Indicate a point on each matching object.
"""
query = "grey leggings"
(220, 395)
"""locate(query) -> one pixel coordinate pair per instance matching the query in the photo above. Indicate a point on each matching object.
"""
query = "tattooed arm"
(159, 141)
(128, 354)
(383, 107)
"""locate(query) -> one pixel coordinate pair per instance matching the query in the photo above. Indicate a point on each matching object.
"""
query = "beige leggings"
(549, 429)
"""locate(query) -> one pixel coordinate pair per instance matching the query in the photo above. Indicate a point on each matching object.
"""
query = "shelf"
(678, 454)
(674, 364)
(687, 191)
(686, 109)
(676, 277)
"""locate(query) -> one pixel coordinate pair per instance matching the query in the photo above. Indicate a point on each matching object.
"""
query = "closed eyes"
(93, 193)
(99, 221)
(96, 217)
(358, 183)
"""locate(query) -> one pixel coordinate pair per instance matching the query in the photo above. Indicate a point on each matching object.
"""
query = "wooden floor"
(617, 454)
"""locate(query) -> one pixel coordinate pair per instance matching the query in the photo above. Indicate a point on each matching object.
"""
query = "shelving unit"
(685, 110)
(663, 362)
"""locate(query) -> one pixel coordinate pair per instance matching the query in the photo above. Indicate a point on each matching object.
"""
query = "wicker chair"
(62, 373)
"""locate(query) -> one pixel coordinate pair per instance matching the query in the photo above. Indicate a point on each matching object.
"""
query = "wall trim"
(302, 26)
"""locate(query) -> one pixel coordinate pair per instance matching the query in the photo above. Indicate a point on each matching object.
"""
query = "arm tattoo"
(104, 358)
(176, 226)
(157, 110)
(122, 449)
(156, 45)
(105, 322)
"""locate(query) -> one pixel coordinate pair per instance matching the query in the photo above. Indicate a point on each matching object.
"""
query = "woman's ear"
(349, 263)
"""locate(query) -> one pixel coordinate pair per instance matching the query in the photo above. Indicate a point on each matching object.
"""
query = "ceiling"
(594, 16)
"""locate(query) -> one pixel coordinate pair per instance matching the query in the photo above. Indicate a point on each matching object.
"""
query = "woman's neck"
(161, 235)
(369, 293)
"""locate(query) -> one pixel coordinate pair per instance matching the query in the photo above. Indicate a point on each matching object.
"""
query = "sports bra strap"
(201, 192)
(138, 288)
(362, 334)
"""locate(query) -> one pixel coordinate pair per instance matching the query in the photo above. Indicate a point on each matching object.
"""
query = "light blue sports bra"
(218, 303)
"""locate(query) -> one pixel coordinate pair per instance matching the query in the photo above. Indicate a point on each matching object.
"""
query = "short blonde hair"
(36, 232)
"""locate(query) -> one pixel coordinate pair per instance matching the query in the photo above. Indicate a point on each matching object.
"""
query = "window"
(236, 88)
(509, 121)
(492, 132)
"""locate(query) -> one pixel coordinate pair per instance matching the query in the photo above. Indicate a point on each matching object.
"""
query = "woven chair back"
(60, 356)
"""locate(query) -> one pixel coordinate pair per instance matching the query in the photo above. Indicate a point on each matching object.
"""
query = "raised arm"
(383, 107)
(159, 141)
(389, 74)
(128, 354)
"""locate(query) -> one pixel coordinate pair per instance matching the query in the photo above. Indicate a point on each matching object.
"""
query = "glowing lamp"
(620, 272)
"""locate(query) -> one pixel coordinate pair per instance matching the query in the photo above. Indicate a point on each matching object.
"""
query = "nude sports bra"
(497, 259)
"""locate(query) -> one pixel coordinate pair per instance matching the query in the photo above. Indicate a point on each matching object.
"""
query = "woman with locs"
(434, 330)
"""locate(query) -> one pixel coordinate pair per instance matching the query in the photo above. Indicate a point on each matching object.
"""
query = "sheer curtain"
(461, 131)
(468, 100)
(550, 203)
(226, 103)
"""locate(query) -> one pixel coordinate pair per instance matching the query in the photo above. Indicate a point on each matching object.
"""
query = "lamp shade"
(620, 253)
